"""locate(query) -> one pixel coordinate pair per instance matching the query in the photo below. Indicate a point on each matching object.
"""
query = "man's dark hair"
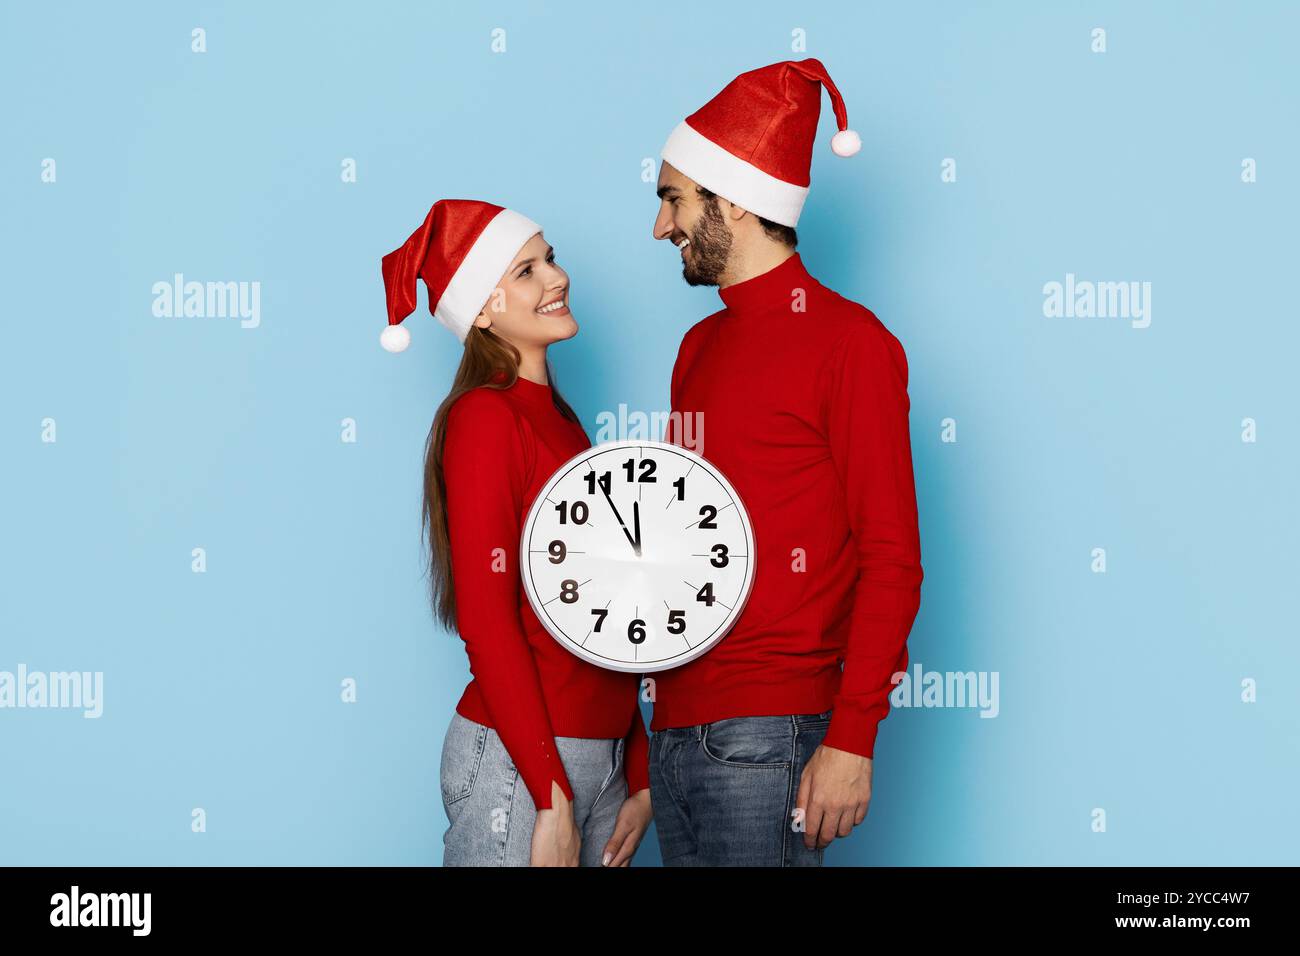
(774, 230)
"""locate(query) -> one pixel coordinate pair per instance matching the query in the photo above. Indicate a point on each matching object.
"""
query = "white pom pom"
(845, 143)
(395, 338)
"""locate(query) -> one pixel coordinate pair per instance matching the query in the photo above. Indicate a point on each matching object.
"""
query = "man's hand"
(556, 840)
(633, 820)
(834, 791)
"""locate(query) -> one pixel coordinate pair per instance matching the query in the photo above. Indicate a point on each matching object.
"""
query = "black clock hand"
(636, 522)
(635, 546)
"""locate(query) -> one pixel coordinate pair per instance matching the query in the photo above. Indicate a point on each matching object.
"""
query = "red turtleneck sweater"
(804, 401)
(501, 447)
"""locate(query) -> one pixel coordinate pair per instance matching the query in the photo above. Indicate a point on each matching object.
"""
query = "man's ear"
(735, 213)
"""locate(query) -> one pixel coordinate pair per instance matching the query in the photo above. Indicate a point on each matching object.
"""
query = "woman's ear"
(482, 320)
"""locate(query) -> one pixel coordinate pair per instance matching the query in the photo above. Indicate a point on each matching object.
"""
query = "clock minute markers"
(597, 624)
(686, 640)
(588, 522)
(716, 513)
(682, 479)
(712, 599)
(580, 584)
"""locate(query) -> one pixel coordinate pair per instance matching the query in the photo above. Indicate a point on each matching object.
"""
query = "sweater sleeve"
(636, 755)
(484, 463)
(867, 427)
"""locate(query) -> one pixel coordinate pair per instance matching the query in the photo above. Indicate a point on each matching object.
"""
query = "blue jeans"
(492, 814)
(724, 793)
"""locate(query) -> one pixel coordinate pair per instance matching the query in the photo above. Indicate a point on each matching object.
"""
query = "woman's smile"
(555, 307)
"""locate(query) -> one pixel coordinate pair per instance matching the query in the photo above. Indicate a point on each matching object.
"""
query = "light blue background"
(1119, 691)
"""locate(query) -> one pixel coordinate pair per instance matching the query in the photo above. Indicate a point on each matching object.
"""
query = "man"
(761, 750)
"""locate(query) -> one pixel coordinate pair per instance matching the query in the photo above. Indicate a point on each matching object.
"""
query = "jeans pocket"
(813, 721)
(750, 742)
(462, 755)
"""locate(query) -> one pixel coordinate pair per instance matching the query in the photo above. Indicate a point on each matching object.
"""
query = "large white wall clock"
(637, 555)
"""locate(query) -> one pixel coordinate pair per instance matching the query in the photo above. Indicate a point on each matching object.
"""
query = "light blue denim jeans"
(491, 812)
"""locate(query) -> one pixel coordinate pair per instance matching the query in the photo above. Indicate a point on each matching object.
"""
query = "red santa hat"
(752, 143)
(461, 252)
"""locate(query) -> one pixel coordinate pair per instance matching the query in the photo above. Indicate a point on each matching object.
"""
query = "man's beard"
(710, 248)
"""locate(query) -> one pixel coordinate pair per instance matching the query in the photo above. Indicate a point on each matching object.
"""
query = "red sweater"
(501, 447)
(804, 401)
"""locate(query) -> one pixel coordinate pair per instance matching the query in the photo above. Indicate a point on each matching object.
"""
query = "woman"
(545, 760)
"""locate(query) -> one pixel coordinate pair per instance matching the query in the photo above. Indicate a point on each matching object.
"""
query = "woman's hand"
(556, 840)
(633, 820)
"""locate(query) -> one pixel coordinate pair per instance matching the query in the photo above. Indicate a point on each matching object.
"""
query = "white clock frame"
(625, 576)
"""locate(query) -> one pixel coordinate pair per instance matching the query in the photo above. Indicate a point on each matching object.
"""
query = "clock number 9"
(636, 631)
(558, 551)
(578, 512)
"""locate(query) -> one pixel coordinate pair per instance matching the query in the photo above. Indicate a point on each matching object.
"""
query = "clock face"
(637, 555)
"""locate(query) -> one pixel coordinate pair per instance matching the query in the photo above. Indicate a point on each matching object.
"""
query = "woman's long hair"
(485, 354)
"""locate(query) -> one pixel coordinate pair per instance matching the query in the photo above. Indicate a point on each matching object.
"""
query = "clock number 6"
(636, 631)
